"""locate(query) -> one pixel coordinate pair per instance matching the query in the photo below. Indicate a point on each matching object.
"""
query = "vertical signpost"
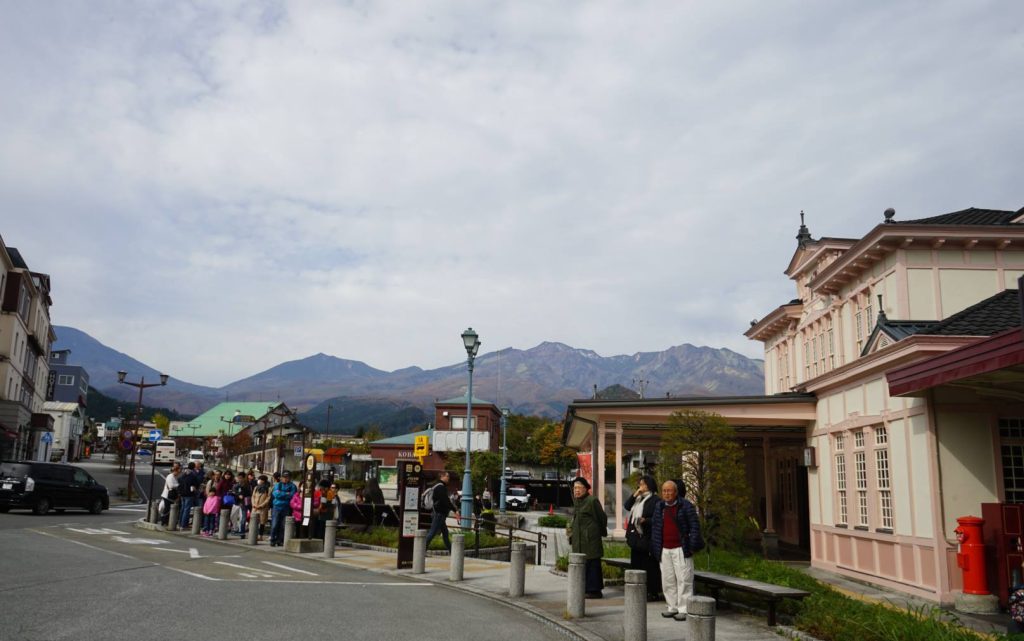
(308, 487)
(410, 479)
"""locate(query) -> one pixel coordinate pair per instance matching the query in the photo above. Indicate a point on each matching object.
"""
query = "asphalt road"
(87, 577)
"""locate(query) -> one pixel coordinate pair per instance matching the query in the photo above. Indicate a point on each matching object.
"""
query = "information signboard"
(410, 479)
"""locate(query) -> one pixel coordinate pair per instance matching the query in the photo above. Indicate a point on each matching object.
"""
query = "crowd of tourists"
(253, 500)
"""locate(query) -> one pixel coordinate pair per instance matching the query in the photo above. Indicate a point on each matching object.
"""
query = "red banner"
(586, 469)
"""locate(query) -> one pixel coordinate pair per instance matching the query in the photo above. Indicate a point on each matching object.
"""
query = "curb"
(566, 627)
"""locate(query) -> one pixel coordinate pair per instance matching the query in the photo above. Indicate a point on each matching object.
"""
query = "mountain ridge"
(540, 380)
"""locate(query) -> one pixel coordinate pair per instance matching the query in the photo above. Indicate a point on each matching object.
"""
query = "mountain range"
(538, 381)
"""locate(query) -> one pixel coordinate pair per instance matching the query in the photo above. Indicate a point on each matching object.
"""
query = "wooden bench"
(770, 592)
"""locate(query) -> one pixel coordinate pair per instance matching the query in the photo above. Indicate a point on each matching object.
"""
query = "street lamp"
(504, 451)
(141, 385)
(231, 432)
(472, 343)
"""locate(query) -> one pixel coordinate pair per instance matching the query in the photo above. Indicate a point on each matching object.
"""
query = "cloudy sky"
(217, 187)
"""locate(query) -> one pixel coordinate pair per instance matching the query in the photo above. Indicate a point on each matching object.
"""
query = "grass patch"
(388, 537)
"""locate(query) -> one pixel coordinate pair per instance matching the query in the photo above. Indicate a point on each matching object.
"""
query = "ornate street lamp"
(141, 385)
(471, 341)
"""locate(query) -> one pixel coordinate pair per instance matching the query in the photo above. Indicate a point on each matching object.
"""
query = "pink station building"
(894, 403)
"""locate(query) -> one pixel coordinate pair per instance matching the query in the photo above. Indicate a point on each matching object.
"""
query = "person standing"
(675, 538)
(188, 488)
(170, 493)
(588, 526)
(441, 506)
(638, 533)
(260, 505)
(281, 498)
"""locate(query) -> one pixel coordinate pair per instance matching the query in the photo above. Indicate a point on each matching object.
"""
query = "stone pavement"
(545, 597)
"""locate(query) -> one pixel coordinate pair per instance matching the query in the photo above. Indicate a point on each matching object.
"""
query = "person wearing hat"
(281, 498)
(588, 525)
(675, 537)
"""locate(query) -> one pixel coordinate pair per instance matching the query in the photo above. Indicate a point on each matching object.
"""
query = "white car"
(517, 498)
(195, 456)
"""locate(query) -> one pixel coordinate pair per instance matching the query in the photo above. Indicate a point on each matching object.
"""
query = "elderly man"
(675, 537)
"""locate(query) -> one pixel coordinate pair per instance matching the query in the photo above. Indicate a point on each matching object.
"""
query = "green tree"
(521, 430)
(483, 466)
(701, 448)
(162, 423)
(550, 451)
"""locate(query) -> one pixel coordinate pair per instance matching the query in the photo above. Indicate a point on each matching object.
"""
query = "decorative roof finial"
(889, 213)
(803, 236)
(881, 311)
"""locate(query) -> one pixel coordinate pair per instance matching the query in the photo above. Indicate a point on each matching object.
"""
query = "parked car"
(41, 487)
(517, 498)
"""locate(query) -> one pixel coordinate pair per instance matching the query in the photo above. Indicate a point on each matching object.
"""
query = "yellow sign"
(422, 446)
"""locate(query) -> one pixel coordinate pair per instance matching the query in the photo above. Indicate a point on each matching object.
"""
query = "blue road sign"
(155, 435)
(47, 437)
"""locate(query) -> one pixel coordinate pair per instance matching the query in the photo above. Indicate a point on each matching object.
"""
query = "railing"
(539, 539)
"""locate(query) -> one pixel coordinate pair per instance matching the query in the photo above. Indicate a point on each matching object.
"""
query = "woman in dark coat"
(589, 524)
(638, 533)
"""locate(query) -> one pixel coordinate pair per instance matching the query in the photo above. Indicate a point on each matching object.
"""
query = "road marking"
(248, 569)
(133, 541)
(92, 547)
(93, 530)
(285, 567)
(357, 583)
(193, 574)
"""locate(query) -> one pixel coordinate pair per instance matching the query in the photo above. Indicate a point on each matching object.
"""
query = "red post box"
(971, 557)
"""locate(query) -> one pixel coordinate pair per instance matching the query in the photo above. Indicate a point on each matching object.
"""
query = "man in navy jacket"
(675, 537)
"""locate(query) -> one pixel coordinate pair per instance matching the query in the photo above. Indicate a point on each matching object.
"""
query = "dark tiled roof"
(899, 330)
(987, 318)
(970, 216)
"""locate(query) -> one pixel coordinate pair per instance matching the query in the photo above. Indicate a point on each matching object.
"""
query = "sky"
(218, 187)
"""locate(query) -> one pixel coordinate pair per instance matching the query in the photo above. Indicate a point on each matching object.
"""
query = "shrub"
(487, 522)
(553, 520)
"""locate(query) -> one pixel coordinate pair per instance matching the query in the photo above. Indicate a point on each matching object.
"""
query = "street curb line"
(568, 628)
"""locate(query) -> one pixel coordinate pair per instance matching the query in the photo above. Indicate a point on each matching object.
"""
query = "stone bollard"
(517, 570)
(419, 552)
(634, 624)
(172, 522)
(154, 512)
(222, 524)
(457, 559)
(330, 538)
(575, 606)
(700, 618)
(289, 529)
(254, 532)
(197, 519)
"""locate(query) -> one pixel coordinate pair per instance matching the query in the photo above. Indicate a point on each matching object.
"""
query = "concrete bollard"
(254, 532)
(330, 538)
(700, 618)
(575, 605)
(289, 529)
(634, 622)
(222, 524)
(172, 522)
(517, 570)
(419, 552)
(457, 560)
(197, 519)
(154, 512)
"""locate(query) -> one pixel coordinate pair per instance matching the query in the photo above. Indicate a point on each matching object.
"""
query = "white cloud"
(250, 183)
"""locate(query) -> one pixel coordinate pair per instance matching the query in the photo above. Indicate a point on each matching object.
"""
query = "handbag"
(229, 500)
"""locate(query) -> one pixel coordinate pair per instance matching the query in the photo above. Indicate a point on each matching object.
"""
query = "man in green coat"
(588, 525)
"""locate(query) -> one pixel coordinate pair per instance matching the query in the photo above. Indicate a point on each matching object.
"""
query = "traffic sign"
(421, 446)
(155, 435)
(47, 437)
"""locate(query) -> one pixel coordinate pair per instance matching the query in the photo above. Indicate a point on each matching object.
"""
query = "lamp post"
(471, 341)
(141, 385)
(327, 430)
(284, 413)
(231, 432)
(504, 451)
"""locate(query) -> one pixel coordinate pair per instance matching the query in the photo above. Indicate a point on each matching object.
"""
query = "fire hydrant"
(971, 557)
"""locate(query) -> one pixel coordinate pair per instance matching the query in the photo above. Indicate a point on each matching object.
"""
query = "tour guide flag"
(586, 469)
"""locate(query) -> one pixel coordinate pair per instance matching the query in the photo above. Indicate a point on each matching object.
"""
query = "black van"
(41, 487)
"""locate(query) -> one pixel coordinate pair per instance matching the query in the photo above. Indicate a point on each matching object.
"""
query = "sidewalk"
(545, 597)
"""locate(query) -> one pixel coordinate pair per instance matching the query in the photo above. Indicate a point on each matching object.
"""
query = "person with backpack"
(675, 538)
(281, 498)
(438, 503)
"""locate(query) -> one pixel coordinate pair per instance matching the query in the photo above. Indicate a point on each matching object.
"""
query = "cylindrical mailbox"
(971, 557)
